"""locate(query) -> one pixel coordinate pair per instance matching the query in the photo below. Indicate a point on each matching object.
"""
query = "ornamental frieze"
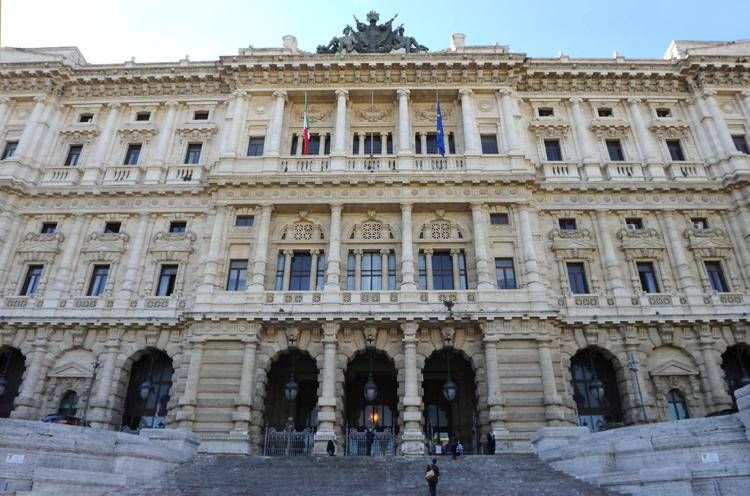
(669, 129)
(609, 128)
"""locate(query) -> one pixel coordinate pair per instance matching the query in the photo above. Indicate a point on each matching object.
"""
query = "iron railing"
(288, 442)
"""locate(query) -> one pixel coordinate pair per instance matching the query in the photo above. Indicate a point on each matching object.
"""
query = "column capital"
(115, 106)
(745, 93)
(465, 92)
(410, 331)
(427, 251)
(708, 92)
(336, 207)
(406, 206)
(280, 94)
(575, 100)
(266, 208)
(342, 93)
(634, 100)
(477, 206)
(315, 251)
(358, 251)
(171, 104)
(253, 332)
(384, 251)
(239, 93)
(490, 330)
(403, 92)
(288, 252)
(4, 100)
(505, 91)
(330, 330)
(41, 99)
(455, 251)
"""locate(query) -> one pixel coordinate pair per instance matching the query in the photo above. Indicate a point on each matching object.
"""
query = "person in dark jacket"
(490, 443)
(331, 448)
(432, 481)
(369, 439)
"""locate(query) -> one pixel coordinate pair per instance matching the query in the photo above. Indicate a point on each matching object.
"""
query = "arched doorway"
(371, 401)
(12, 366)
(736, 364)
(449, 393)
(68, 404)
(595, 390)
(148, 392)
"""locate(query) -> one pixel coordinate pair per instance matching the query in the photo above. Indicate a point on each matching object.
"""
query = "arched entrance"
(371, 401)
(736, 364)
(12, 365)
(291, 412)
(595, 390)
(68, 404)
(449, 394)
(148, 392)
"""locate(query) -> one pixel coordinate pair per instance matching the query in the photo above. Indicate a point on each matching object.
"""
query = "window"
(237, 275)
(614, 149)
(98, 280)
(355, 145)
(451, 144)
(10, 149)
(200, 115)
(31, 282)
(506, 275)
(244, 220)
(86, 118)
(279, 285)
(74, 155)
(49, 227)
(699, 222)
(545, 112)
(255, 146)
(675, 150)
(634, 223)
(663, 112)
(604, 112)
(595, 392)
(577, 278)
(552, 150)
(327, 147)
(716, 276)
(677, 405)
(351, 271)
(567, 224)
(499, 219)
(391, 270)
(740, 143)
(299, 276)
(313, 148)
(177, 226)
(112, 227)
(422, 268)
(167, 279)
(193, 154)
(442, 270)
(320, 272)
(68, 404)
(647, 276)
(143, 116)
(132, 154)
(489, 144)
(372, 271)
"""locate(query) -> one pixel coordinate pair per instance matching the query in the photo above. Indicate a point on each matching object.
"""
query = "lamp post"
(291, 389)
(371, 388)
(144, 390)
(88, 392)
(450, 390)
(633, 366)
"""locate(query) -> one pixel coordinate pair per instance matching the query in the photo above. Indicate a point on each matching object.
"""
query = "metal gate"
(288, 442)
(383, 443)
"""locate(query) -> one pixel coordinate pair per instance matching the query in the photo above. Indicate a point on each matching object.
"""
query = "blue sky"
(166, 30)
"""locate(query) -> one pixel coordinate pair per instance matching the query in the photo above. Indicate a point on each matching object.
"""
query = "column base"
(412, 443)
(320, 441)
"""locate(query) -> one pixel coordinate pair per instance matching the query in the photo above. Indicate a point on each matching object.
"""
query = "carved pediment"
(640, 239)
(674, 367)
(106, 242)
(173, 242)
(137, 132)
(82, 133)
(315, 115)
(609, 128)
(707, 239)
(669, 128)
(39, 242)
(549, 127)
(571, 239)
(428, 114)
(71, 369)
(197, 131)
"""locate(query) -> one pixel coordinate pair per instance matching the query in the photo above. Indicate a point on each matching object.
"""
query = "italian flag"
(305, 131)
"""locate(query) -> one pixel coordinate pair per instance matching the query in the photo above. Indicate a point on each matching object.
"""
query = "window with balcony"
(177, 226)
(167, 280)
(445, 269)
(98, 281)
(675, 150)
(699, 222)
(577, 278)
(499, 219)
(604, 112)
(298, 273)
(255, 146)
(49, 227)
(237, 275)
(442, 270)
(85, 118)
(567, 224)
(143, 116)
(32, 280)
(112, 227)
(647, 276)
(505, 273)
(373, 144)
(200, 115)
(740, 143)
(132, 154)
(10, 149)
(614, 149)
(634, 223)
(299, 277)
(193, 153)
(74, 155)
(489, 144)
(244, 220)
(716, 276)
(552, 150)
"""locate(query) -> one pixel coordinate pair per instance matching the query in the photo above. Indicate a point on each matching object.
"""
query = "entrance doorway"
(12, 365)
(148, 392)
(595, 390)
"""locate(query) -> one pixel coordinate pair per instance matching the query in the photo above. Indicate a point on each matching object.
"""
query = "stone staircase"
(508, 474)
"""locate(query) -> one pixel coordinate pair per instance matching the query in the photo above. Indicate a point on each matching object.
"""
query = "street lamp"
(371, 389)
(450, 390)
(633, 366)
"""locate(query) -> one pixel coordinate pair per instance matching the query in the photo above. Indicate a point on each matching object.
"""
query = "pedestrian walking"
(369, 440)
(331, 448)
(454, 447)
(431, 475)
(490, 443)
(459, 448)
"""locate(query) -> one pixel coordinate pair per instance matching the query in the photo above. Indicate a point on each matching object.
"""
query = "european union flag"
(440, 137)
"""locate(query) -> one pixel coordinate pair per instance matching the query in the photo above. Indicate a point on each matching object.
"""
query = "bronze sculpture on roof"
(372, 38)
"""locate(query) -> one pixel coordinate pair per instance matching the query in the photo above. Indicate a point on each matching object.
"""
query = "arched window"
(148, 392)
(595, 390)
(68, 404)
(12, 365)
(677, 405)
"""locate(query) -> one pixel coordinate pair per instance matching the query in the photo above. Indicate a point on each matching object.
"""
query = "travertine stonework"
(404, 202)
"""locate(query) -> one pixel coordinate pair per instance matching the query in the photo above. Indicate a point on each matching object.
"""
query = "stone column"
(101, 147)
(68, 258)
(495, 403)
(717, 398)
(725, 137)
(407, 250)
(327, 400)
(649, 154)
(260, 256)
(383, 143)
(553, 411)
(405, 152)
(384, 268)
(531, 270)
(707, 146)
(165, 134)
(508, 122)
(213, 258)
(128, 289)
(338, 151)
(25, 149)
(745, 96)
(484, 276)
(188, 402)
(314, 254)
(412, 438)
(100, 408)
(243, 403)
(613, 280)
(5, 103)
(27, 401)
(357, 269)
(455, 252)
(738, 218)
(428, 268)
(10, 226)
(586, 150)
(287, 269)
(333, 264)
(236, 123)
(276, 125)
(423, 143)
(685, 281)
(471, 138)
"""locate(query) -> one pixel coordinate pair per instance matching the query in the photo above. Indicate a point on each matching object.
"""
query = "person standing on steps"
(369, 440)
(490, 443)
(331, 448)
(431, 475)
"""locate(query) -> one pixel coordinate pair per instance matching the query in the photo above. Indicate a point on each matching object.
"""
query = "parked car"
(56, 418)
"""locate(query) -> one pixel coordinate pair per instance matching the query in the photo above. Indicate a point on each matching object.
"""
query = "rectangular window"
(32, 279)
(10, 149)
(442, 270)
(355, 145)
(132, 154)
(614, 149)
(552, 150)
(200, 115)
(647, 276)
(98, 280)
(177, 226)
(112, 227)
(422, 266)
(663, 112)
(546, 112)
(143, 116)
(193, 154)
(699, 222)
(373, 145)
(489, 144)
(716, 276)
(255, 146)
(237, 275)
(320, 272)
(313, 147)
(604, 112)
(431, 143)
(567, 224)
(279, 286)
(740, 143)
(505, 273)
(299, 279)
(327, 147)
(244, 220)
(462, 272)
(577, 278)
(295, 142)
(49, 228)
(499, 219)
(167, 279)
(74, 155)
(86, 118)
(351, 266)
(634, 223)
(391, 270)
(417, 143)
(389, 144)
(451, 144)
(371, 271)
(675, 150)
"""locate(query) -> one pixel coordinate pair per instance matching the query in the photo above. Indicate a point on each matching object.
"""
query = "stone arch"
(616, 399)
(441, 228)
(279, 367)
(735, 363)
(672, 367)
(304, 229)
(13, 368)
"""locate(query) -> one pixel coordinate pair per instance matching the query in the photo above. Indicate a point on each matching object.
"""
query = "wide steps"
(508, 474)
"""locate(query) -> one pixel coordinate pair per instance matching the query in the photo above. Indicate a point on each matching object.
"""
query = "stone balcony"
(122, 175)
(561, 171)
(687, 170)
(624, 171)
(61, 176)
(186, 174)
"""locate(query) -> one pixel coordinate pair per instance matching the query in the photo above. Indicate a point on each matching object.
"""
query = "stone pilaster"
(508, 122)
(338, 151)
(528, 252)
(236, 119)
(243, 403)
(10, 225)
(92, 169)
(553, 405)
(645, 140)
(407, 250)
(405, 151)
(66, 261)
(129, 287)
(25, 150)
(412, 438)
(327, 400)
(28, 400)
(480, 220)
(260, 256)
(213, 258)
(495, 403)
(277, 124)
(613, 275)
(717, 398)
(586, 150)
(685, 280)
(333, 269)
(101, 411)
(187, 404)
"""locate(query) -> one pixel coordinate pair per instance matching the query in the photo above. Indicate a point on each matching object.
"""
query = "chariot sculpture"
(372, 38)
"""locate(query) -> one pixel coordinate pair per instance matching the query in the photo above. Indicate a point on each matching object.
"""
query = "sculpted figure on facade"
(372, 38)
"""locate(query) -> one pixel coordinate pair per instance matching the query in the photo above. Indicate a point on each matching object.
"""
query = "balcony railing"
(61, 176)
(687, 170)
(561, 171)
(185, 174)
(438, 163)
(624, 171)
(304, 164)
(123, 174)
(372, 164)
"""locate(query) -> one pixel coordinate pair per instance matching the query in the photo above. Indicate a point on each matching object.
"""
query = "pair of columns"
(383, 269)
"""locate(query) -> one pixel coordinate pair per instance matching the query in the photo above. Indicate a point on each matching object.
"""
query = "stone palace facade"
(580, 255)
